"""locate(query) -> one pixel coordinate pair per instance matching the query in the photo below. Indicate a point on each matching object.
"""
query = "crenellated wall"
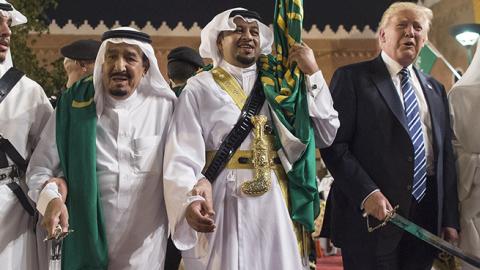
(332, 48)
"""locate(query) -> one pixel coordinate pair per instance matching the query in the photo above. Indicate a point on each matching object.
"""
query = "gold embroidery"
(262, 163)
(230, 85)
(81, 104)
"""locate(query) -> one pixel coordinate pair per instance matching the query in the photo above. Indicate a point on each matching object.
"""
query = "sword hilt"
(56, 241)
(384, 222)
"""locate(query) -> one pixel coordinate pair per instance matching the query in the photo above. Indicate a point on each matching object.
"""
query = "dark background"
(319, 12)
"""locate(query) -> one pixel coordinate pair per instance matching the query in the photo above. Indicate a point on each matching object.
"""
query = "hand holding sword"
(56, 212)
(393, 217)
(55, 221)
(377, 205)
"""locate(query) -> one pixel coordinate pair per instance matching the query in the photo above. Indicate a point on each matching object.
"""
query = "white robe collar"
(239, 73)
(128, 104)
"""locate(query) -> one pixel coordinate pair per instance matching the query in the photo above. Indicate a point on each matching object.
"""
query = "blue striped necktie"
(412, 112)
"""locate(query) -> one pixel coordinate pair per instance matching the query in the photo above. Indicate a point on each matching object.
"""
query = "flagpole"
(439, 55)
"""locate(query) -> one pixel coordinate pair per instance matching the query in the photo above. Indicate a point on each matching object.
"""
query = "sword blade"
(433, 240)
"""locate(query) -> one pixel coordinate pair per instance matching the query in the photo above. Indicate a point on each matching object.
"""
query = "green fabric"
(289, 102)
(85, 248)
(426, 59)
(178, 90)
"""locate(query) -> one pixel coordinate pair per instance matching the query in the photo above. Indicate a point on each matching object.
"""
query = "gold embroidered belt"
(242, 159)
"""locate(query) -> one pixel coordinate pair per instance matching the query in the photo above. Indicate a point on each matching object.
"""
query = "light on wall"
(467, 35)
(467, 38)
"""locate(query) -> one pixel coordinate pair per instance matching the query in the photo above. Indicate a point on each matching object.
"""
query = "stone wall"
(332, 48)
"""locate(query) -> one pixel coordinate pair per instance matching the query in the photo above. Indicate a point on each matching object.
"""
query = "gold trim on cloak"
(231, 86)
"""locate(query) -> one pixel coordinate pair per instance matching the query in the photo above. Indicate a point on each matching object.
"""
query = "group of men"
(125, 164)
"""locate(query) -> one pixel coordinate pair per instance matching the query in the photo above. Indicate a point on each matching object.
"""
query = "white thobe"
(464, 111)
(23, 115)
(251, 232)
(130, 143)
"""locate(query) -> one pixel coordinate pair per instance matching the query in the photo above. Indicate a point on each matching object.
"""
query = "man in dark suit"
(393, 148)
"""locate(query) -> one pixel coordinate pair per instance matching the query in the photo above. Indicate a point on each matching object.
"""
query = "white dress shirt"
(394, 68)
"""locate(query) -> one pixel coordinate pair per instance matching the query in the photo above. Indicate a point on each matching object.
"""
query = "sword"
(426, 236)
(56, 241)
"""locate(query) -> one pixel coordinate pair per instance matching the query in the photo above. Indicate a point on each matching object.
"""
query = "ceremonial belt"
(241, 159)
(240, 131)
(10, 173)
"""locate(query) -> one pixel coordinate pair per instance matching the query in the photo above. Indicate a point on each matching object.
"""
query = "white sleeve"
(320, 107)
(41, 114)
(44, 164)
(184, 160)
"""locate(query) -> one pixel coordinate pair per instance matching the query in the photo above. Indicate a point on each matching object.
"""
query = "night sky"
(319, 12)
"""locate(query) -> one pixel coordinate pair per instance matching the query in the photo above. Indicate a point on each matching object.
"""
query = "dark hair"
(181, 71)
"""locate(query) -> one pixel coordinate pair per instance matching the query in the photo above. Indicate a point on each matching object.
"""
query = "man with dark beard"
(221, 225)
(106, 141)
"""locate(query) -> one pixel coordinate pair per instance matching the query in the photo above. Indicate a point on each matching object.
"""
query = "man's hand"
(304, 57)
(56, 213)
(62, 186)
(199, 214)
(450, 235)
(377, 206)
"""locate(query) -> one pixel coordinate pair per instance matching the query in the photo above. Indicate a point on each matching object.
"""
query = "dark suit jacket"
(373, 150)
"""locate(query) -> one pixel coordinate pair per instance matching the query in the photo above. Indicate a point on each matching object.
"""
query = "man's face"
(123, 69)
(5, 34)
(404, 36)
(240, 47)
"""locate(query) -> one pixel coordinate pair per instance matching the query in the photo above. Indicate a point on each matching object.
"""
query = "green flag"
(284, 87)
(426, 59)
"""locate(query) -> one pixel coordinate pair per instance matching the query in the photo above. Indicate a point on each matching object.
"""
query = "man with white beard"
(106, 142)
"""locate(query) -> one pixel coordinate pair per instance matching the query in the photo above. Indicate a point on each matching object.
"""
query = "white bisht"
(464, 100)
